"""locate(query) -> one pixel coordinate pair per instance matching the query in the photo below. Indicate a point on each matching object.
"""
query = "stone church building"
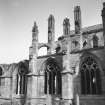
(72, 72)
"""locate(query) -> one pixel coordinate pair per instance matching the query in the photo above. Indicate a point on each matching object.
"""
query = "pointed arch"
(53, 82)
(95, 41)
(90, 75)
(1, 72)
(2, 80)
(21, 86)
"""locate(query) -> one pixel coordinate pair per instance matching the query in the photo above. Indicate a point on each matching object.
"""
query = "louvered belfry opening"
(90, 76)
(53, 82)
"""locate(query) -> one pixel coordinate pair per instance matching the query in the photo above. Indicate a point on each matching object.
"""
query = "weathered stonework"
(38, 81)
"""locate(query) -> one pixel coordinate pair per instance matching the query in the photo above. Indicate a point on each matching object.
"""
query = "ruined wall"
(8, 84)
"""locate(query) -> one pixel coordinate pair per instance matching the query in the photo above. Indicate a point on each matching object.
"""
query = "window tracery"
(90, 76)
(21, 87)
(52, 78)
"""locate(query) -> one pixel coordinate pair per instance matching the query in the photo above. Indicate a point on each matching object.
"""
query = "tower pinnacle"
(51, 29)
(51, 33)
(34, 34)
(66, 27)
(35, 27)
(77, 19)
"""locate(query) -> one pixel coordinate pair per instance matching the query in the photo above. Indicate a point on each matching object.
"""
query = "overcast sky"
(17, 18)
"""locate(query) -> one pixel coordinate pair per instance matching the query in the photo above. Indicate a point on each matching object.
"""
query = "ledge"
(36, 75)
(88, 49)
(72, 52)
(101, 96)
(56, 54)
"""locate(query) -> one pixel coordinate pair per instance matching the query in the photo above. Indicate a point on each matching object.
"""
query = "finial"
(35, 27)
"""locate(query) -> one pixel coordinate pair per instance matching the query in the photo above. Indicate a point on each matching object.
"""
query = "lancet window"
(0, 75)
(21, 87)
(95, 41)
(53, 83)
(90, 76)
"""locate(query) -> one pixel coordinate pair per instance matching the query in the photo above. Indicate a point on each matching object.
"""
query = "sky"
(17, 18)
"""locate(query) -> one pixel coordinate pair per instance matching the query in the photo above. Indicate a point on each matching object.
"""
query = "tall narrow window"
(52, 78)
(0, 75)
(23, 84)
(90, 76)
(17, 84)
(95, 41)
(21, 87)
(0, 79)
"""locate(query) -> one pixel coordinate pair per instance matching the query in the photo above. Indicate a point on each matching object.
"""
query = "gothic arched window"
(0, 75)
(90, 76)
(95, 41)
(21, 87)
(1, 72)
(53, 81)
